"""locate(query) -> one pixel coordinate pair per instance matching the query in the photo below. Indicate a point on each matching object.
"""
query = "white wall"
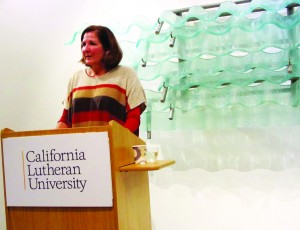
(35, 67)
(248, 179)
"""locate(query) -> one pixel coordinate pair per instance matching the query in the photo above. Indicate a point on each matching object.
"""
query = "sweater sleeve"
(64, 117)
(133, 119)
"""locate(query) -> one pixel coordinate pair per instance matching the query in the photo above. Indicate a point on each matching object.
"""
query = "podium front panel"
(64, 170)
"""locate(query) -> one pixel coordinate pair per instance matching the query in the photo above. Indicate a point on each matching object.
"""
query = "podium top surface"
(6, 132)
(149, 166)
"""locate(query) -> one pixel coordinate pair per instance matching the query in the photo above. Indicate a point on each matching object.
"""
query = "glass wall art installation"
(234, 65)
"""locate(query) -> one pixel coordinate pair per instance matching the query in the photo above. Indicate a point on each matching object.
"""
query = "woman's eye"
(84, 44)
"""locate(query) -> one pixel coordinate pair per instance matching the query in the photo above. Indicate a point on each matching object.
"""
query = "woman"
(104, 90)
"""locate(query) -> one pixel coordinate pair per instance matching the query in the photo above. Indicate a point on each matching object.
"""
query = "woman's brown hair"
(110, 45)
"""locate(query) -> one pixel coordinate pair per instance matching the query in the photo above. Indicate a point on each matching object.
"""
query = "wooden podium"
(130, 188)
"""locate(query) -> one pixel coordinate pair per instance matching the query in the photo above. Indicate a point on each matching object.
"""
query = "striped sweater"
(96, 100)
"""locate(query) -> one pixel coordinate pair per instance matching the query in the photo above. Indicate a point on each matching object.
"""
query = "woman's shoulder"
(124, 69)
(77, 77)
(79, 72)
(124, 72)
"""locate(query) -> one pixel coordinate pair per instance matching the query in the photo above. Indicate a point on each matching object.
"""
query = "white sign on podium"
(63, 170)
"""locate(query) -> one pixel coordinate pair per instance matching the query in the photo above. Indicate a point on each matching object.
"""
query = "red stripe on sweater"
(94, 116)
(97, 87)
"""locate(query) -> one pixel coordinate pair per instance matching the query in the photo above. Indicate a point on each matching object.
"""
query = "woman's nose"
(86, 48)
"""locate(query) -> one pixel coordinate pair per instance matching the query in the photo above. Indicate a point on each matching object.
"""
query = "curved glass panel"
(231, 8)
(228, 96)
(215, 118)
(220, 27)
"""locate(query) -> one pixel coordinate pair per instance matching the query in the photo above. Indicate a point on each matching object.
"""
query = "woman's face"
(92, 50)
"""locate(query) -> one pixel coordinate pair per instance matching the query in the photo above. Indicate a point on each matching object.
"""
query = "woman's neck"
(93, 72)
